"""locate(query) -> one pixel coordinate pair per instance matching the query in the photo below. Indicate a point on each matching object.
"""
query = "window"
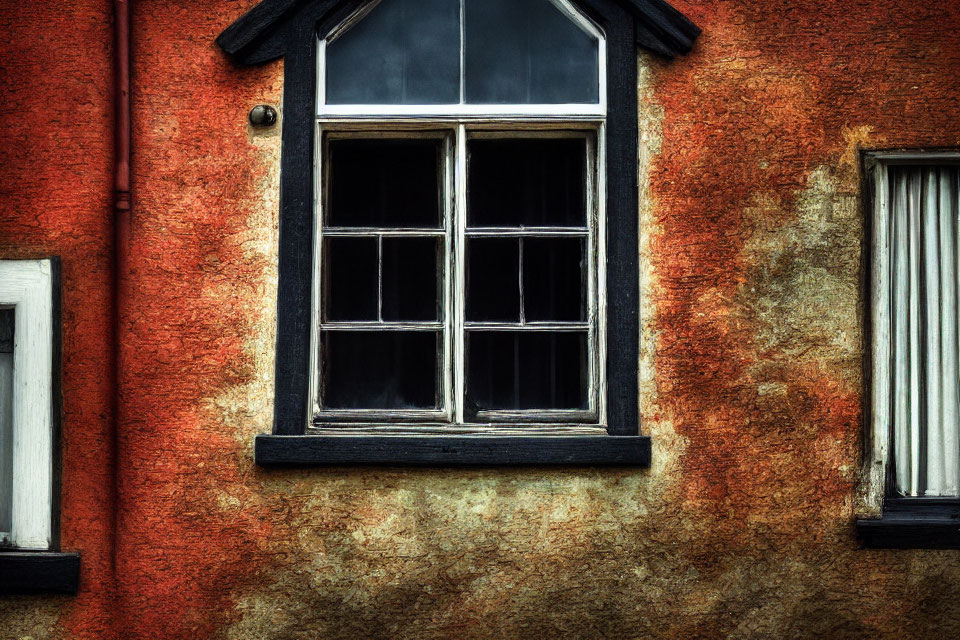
(458, 237)
(915, 406)
(445, 310)
(29, 413)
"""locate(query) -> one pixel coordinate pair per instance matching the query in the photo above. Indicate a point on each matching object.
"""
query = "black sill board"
(27, 572)
(443, 450)
(913, 523)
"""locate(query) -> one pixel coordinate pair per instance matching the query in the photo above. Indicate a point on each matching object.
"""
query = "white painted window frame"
(877, 474)
(27, 286)
(451, 417)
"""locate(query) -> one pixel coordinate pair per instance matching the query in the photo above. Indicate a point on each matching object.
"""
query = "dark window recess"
(528, 182)
(554, 279)
(493, 281)
(527, 370)
(384, 183)
(411, 267)
(349, 290)
(380, 369)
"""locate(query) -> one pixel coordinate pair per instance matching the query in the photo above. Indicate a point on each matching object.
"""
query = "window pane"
(403, 52)
(350, 283)
(527, 182)
(493, 279)
(6, 418)
(554, 283)
(384, 183)
(527, 52)
(410, 278)
(527, 370)
(380, 369)
(922, 258)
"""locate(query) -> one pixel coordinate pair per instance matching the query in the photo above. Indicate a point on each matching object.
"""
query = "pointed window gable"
(432, 52)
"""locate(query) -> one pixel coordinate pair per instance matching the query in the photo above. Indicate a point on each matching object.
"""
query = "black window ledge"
(913, 523)
(443, 450)
(30, 572)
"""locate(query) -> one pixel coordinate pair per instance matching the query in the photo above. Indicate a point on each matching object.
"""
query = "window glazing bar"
(525, 232)
(370, 232)
(459, 268)
(527, 326)
(382, 326)
(558, 111)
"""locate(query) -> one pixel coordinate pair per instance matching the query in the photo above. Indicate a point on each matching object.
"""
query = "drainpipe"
(121, 230)
(122, 97)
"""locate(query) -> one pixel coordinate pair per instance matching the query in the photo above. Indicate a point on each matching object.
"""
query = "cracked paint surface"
(750, 371)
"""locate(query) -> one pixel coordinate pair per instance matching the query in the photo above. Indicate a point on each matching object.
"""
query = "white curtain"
(923, 261)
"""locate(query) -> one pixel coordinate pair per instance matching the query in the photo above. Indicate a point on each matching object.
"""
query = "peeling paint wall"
(750, 371)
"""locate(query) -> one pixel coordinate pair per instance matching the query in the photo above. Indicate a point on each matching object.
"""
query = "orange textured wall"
(750, 373)
(56, 143)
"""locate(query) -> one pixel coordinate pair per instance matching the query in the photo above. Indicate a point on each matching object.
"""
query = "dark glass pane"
(350, 267)
(527, 52)
(527, 182)
(554, 279)
(384, 183)
(527, 370)
(403, 52)
(493, 279)
(6, 418)
(6, 329)
(410, 278)
(380, 369)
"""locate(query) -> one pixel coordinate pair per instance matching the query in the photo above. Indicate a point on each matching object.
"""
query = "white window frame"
(463, 121)
(27, 286)
(454, 324)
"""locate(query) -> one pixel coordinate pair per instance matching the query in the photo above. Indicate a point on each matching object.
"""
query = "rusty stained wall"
(750, 372)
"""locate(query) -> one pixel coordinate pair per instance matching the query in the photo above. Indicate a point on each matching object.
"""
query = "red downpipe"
(121, 228)
(122, 96)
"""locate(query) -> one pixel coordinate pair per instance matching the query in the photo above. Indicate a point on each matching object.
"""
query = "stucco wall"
(56, 138)
(750, 373)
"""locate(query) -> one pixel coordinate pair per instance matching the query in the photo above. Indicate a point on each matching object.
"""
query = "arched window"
(461, 284)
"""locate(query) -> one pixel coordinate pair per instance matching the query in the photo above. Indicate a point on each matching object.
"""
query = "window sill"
(913, 523)
(31, 572)
(444, 450)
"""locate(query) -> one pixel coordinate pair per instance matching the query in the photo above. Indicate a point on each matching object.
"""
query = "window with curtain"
(916, 386)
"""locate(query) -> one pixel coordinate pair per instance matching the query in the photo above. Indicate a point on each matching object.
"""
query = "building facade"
(755, 199)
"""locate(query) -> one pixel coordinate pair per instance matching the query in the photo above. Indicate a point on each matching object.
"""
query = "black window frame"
(288, 29)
